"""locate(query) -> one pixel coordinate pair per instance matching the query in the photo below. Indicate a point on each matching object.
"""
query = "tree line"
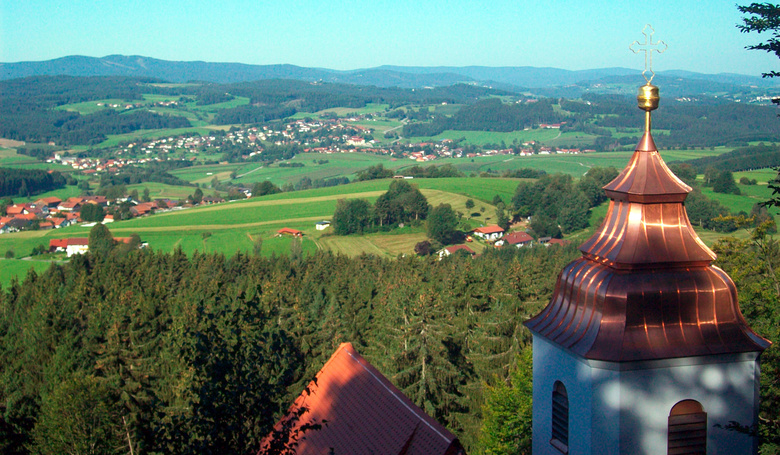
(28, 182)
(166, 353)
(401, 203)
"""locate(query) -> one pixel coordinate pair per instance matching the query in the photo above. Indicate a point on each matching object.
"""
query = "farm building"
(444, 252)
(517, 239)
(492, 232)
(289, 231)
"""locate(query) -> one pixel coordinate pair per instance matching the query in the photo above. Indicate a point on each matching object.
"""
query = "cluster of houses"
(327, 135)
(496, 236)
(54, 213)
(79, 245)
(45, 213)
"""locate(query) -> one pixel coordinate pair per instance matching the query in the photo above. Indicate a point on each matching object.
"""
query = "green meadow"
(492, 137)
(370, 108)
(17, 268)
(90, 107)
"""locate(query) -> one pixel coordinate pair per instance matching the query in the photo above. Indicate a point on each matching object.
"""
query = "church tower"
(643, 348)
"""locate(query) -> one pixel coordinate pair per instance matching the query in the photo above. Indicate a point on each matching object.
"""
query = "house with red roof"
(560, 242)
(289, 231)
(77, 245)
(18, 209)
(60, 222)
(69, 206)
(517, 239)
(365, 413)
(493, 232)
(444, 252)
(50, 202)
(143, 208)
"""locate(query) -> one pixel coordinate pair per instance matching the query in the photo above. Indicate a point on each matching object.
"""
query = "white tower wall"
(623, 408)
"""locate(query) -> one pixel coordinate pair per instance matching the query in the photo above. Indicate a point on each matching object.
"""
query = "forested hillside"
(201, 354)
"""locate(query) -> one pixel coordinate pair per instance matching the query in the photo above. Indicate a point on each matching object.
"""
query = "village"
(326, 136)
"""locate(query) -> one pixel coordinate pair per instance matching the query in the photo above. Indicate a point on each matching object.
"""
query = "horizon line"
(380, 66)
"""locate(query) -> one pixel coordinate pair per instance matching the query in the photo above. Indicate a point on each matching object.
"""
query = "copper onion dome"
(645, 287)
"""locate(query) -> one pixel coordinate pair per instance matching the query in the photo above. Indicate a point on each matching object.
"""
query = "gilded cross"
(648, 47)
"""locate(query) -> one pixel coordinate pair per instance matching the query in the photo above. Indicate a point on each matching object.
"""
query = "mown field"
(492, 137)
(236, 226)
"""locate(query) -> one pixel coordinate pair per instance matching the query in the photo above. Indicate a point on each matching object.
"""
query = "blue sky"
(354, 34)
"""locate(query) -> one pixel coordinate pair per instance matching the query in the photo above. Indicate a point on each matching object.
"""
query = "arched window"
(687, 429)
(560, 417)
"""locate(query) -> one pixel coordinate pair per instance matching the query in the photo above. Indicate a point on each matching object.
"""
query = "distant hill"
(545, 81)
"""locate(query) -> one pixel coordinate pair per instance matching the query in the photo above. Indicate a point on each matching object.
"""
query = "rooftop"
(365, 413)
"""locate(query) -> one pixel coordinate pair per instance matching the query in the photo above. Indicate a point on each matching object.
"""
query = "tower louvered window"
(560, 418)
(687, 429)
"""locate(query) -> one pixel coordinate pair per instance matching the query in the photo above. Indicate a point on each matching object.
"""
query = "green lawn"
(213, 108)
(338, 165)
(16, 268)
(228, 228)
(370, 108)
(90, 107)
(492, 137)
(163, 191)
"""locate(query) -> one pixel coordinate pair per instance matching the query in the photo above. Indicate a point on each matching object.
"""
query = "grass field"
(492, 137)
(17, 268)
(90, 107)
(370, 108)
(232, 227)
(163, 191)
(9, 158)
(338, 165)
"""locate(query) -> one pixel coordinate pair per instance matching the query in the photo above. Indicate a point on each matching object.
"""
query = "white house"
(493, 232)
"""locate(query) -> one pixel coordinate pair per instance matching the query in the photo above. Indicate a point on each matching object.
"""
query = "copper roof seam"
(677, 180)
(698, 293)
(545, 317)
(547, 321)
(408, 408)
(655, 157)
(677, 321)
(580, 307)
(626, 174)
(754, 338)
(570, 303)
(645, 235)
(696, 238)
(715, 309)
(684, 225)
(679, 311)
(639, 185)
(595, 301)
(667, 253)
(615, 235)
(602, 232)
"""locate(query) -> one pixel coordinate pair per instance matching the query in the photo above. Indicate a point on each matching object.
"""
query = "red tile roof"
(455, 248)
(366, 413)
(289, 231)
(489, 229)
(48, 201)
(64, 243)
(515, 238)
